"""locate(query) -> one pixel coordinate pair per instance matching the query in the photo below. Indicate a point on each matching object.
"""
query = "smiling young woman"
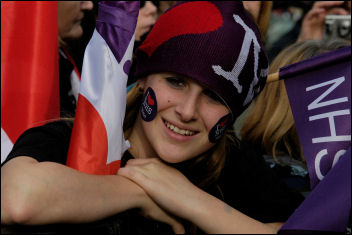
(198, 69)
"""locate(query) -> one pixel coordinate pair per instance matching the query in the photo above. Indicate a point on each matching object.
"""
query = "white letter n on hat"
(232, 76)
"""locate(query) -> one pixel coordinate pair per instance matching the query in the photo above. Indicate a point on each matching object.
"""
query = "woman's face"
(186, 112)
(70, 15)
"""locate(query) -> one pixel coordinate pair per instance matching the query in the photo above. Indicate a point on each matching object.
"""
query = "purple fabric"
(327, 207)
(316, 62)
(127, 66)
(309, 126)
(114, 19)
(319, 90)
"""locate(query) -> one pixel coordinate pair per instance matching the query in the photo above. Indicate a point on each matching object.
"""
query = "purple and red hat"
(216, 43)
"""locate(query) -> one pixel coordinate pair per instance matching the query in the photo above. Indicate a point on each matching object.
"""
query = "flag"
(97, 141)
(29, 68)
(75, 76)
(319, 91)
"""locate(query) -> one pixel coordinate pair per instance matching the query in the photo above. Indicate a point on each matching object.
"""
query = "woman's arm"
(174, 192)
(35, 192)
(47, 192)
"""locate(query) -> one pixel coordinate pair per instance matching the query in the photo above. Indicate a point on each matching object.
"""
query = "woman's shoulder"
(49, 142)
(59, 130)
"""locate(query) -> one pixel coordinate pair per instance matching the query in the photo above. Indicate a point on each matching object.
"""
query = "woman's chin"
(171, 158)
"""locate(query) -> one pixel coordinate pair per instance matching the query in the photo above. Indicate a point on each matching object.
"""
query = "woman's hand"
(165, 184)
(313, 25)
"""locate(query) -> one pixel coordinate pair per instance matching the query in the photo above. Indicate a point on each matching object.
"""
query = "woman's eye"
(176, 82)
(213, 96)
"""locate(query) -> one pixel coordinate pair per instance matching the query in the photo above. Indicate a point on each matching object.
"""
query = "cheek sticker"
(149, 106)
(219, 129)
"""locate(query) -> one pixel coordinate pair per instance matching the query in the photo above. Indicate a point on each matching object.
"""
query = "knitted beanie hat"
(215, 43)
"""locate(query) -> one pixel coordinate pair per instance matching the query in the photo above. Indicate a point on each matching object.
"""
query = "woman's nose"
(187, 108)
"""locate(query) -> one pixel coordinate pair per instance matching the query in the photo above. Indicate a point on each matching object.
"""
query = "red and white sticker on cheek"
(149, 105)
(218, 130)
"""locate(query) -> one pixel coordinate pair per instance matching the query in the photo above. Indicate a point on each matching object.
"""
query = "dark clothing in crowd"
(246, 183)
(287, 39)
(68, 101)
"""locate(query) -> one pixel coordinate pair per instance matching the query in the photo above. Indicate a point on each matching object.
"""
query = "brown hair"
(270, 123)
(264, 17)
(213, 159)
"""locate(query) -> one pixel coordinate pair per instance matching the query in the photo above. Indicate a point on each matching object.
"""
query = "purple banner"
(116, 23)
(320, 100)
(319, 90)
(327, 207)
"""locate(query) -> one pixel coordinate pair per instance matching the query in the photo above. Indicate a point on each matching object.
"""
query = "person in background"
(164, 5)
(311, 25)
(146, 18)
(70, 16)
(260, 11)
(273, 131)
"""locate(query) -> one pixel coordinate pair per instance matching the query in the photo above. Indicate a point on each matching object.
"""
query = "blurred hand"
(313, 25)
(146, 19)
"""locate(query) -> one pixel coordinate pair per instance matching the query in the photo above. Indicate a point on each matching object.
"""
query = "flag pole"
(273, 77)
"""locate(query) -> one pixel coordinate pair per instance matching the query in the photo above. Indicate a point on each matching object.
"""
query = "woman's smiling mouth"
(178, 130)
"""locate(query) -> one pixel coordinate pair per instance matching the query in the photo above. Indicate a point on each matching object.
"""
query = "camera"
(338, 26)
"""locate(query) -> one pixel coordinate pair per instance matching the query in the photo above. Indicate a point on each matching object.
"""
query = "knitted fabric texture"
(215, 43)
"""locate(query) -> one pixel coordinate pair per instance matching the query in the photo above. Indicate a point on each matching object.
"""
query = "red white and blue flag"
(29, 68)
(319, 90)
(97, 141)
